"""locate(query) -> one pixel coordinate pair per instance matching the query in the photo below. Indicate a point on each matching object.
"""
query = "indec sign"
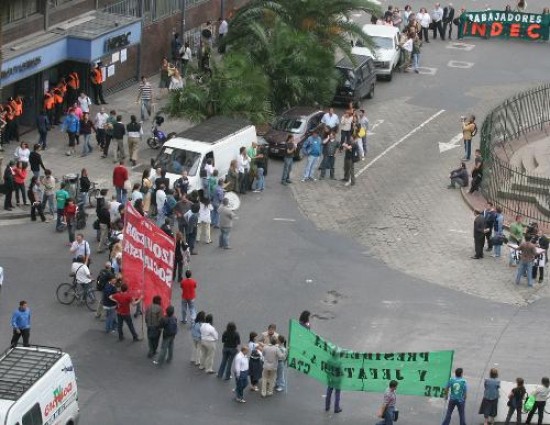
(494, 23)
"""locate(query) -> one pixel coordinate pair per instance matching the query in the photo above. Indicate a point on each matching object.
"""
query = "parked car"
(357, 80)
(298, 122)
(386, 54)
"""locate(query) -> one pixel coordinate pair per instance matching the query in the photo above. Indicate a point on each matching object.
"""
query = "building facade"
(43, 41)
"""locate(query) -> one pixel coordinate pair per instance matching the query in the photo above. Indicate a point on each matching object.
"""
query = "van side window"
(33, 416)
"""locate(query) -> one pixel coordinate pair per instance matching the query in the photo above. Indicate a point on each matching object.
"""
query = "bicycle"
(93, 194)
(67, 293)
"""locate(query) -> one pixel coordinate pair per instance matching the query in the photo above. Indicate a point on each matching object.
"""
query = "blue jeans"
(122, 195)
(310, 166)
(166, 349)
(215, 217)
(241, 383)
(468, 149)
(281, 379)
(525, 267)
(388, 417)
(86, 146)
(110, 319)
(185, 304)
(228, 354)
(60, 213)
(145, 108)
(49, 199)
(498, 250)
(450, 407)
(336, 399)
(259, 182)
(224, 236)
(415, 60)
(42, 138)
(128, 319)
(287, 168)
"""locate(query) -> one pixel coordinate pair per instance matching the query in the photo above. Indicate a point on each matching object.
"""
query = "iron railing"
(511, 176)
(152, 10)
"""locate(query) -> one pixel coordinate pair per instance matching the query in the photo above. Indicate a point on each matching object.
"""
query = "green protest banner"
(503, 24)
(419, 373)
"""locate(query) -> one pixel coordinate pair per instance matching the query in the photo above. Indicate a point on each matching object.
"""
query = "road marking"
(376, 124)
(458, 231)
(461, 46)
(389, 148)
(460, 64)
(284, 219)
(453, 143)
(424, 70)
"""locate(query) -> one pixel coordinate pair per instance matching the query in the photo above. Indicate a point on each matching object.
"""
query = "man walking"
(226, 223)
(312, 149)
(100, 122)
(135, 131)
(528, 253)
(169, 326)
(188, 294)
(490, 216)
(119, 131)
(43, 125)
(387, 410)
(120, 175)
(479, 234)
(153, 314)
(455, 393)
(124, 300)
(145, 94)
(21, 324)
(290, 152)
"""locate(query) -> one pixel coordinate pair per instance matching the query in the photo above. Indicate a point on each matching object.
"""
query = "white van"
(37, 387)
(218, 139)
(386, 54)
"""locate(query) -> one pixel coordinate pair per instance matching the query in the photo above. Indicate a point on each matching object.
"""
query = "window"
(56, 3)
(175, 161)
(17, 10)
(163, 8)
(33, 416)
(191, 3)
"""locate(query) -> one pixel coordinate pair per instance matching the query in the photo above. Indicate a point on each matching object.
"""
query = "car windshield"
(290, 125)
(382, 42)
(175, 161)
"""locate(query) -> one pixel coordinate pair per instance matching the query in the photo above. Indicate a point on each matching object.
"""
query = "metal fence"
(152, 10)
(508, 177)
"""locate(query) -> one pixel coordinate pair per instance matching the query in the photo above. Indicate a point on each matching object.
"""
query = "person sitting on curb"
(459, 176)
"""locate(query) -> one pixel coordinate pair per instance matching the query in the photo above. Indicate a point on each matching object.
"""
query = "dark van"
(356, 81)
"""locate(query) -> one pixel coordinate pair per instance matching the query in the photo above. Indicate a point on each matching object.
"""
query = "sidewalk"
(99, 170)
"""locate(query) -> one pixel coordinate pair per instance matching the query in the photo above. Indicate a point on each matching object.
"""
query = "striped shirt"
(389, 398)
(146, 91)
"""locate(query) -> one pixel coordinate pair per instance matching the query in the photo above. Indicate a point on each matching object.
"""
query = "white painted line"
(458, 231)
(424, 70)
(376, 124)
(284, 219)
(453, 143)
(461, 46)
(460, 64)
(389, 148)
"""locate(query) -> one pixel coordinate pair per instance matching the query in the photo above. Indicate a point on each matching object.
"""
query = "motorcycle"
(158, 137)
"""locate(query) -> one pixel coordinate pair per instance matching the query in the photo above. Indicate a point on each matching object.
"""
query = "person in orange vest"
(58, 96)
(97, 84)
(17, 106)
(73, 84)
(2, 127)
(49, 106)
(10, 118)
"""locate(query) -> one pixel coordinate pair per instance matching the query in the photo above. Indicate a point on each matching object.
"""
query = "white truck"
(37, 387)
(217, 139)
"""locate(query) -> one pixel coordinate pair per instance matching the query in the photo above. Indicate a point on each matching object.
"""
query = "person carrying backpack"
(169, 327)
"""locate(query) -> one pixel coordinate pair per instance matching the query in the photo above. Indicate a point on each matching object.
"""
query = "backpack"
(170, 327)
(474, 131)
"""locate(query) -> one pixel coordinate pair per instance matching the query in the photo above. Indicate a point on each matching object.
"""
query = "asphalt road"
(280, 267)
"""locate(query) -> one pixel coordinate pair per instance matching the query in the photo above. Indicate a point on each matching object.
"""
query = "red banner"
(147, 258)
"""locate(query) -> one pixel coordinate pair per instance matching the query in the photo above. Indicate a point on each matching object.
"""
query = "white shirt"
(330, 120)
(186, 53)
(408, 45)
(22, 154)
(84, 103)
(49, 185)
(208, 332)
(222, 30)
(82, 272)
(204, 213)
(346, 123)
(82, 248)
(541, 393)
(424, 19)
(240, 364)
(209, 169)
(136, 194)
(243, 163)
(113, 210)
(101, 120)
(175, 83)
(161, 198)
(437, 14)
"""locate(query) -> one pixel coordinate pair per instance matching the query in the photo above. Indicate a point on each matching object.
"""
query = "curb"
(471, 206)
(14, 215)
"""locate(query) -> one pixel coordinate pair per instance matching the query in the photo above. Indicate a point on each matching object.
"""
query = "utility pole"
(46, 11)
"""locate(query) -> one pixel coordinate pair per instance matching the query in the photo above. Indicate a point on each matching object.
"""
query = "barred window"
(18, 9)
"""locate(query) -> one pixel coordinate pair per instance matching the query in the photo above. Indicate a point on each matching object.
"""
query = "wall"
(155, 43)
(124, 71)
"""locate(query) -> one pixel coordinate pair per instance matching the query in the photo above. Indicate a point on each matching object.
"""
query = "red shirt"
(69, 211)
(188, 287)
(120, 175)
(124, 300)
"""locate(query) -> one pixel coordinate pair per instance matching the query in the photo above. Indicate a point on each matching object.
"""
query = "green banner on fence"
(502, 24)
(419, 373)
